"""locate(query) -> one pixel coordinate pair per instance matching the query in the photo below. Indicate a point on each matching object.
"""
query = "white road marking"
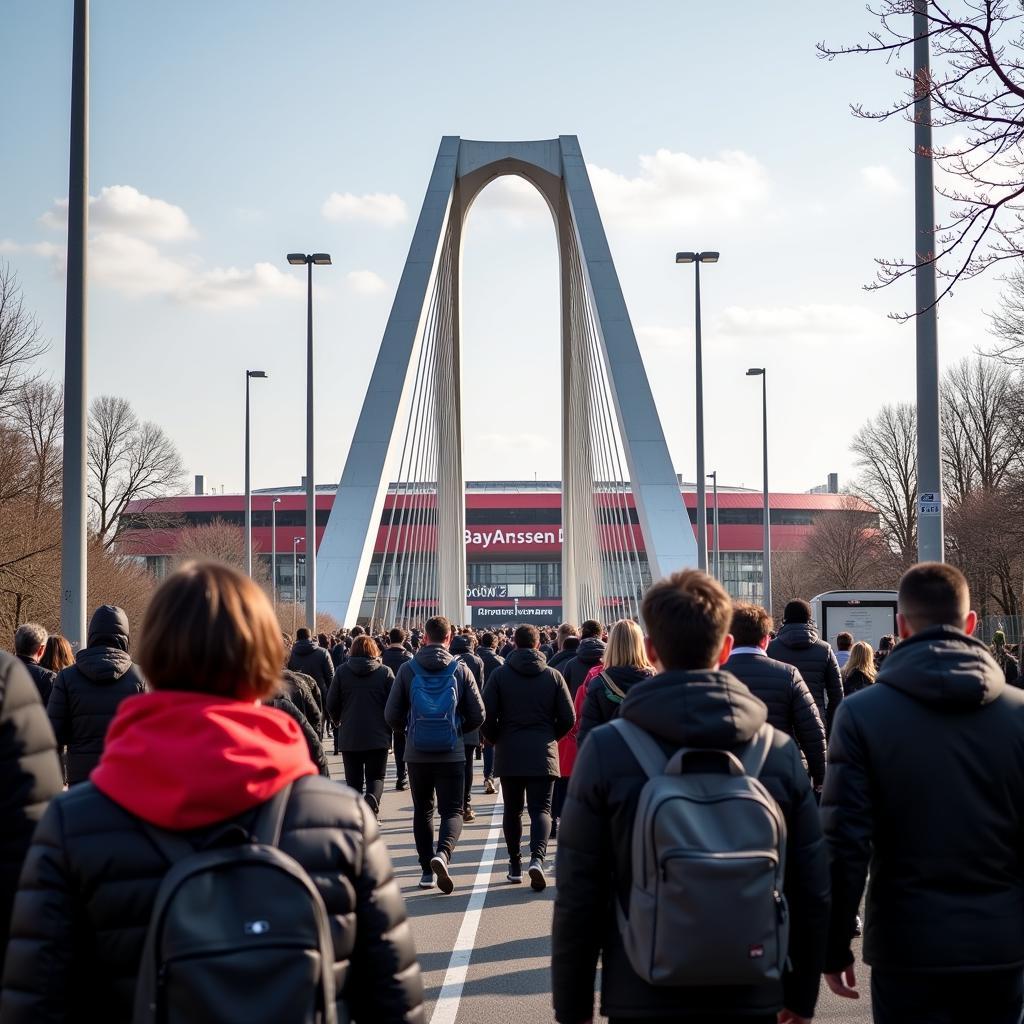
(446, 1009)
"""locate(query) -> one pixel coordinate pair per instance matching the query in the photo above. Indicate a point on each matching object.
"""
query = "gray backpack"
(706, 905)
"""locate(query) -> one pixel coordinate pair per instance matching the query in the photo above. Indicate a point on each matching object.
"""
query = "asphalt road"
(485, 950)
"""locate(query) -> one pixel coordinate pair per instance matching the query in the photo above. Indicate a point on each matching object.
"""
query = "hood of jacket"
(944, 667)
(304, 647)
(433, 657)
(798, 636)
(185, 760)
(362, 666)
(103, 664)
(108, 627)
(590, 651)
(527, 661)
(461, 645)
(703, 708)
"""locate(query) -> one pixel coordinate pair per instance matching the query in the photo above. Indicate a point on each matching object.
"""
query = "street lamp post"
(249, 374)
(296, 541)
(767, 565)
(273, 551)
(697, 258)
(321, 259)
(716, 554)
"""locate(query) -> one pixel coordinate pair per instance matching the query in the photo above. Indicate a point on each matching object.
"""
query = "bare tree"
(21, 341)
(129, 460)
(38, 414)
(886, 454)
(976, 88)
(847, 549)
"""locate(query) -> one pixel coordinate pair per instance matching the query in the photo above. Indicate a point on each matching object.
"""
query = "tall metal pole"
(702, 498)
(930, 541)
(248, 486)
(273, 551)
(716, 558)
(310, 479)
(74, 549)
(767, 568)
(296, 541)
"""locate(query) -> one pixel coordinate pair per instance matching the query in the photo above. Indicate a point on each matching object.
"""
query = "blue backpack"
(434, 724)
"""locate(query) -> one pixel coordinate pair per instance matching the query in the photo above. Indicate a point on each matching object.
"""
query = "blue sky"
(220, 132)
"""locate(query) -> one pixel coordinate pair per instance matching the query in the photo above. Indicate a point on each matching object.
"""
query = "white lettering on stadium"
(484, 539)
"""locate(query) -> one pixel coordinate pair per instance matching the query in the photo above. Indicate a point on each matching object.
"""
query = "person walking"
(528, 709)
(568, 643)
(435, 700)
(799, 645)
(30, 776)
(859, 670)
(844, 644)
(58, 653)
(395, 655)
(197, 762)
(1004, 659)
(924, 791)
(356, 702)
(87, 695)
(589, 653)
(791, 708)
(308, 657)
(462, 648)
(491, 661)
(29, 647)
(690, 705)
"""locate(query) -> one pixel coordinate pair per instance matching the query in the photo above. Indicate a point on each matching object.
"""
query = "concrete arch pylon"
(461, 170)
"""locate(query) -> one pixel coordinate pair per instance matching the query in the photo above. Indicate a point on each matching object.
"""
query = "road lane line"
(446, 1009)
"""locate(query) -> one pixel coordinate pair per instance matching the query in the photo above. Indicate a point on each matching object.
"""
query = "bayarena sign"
(496, 539)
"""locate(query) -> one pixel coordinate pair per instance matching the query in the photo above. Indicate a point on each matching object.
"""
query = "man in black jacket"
(395, 655)
(798, 644)
(492, 662)
(86, 695)
(309, 657)
(528, 711)
(589, 654)
(442, 772)
(690, 703)
(791, 707)
(30, 777)
(462, 648)
(924, 791)
(29, 646)
(568, 647)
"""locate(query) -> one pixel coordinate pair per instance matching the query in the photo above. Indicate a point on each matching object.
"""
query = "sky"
(225, 135)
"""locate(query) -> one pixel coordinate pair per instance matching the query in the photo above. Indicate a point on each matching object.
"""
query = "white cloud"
(880, 179)
(133, 266)
(366, 282)
(788, 321)
(124, 209)
(379, 208)
(234, 287)
(511, 200)
(679, 190)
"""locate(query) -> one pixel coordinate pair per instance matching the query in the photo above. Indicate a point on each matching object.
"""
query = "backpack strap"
(642, 746)
(616, 692)
(756, 752)
(266, 828)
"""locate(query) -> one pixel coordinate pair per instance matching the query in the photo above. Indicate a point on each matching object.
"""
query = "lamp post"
(697, 258)
(767, 565)
(249, 374)
(321, 259)
(273, 551)
(296, 541)
(716, 555)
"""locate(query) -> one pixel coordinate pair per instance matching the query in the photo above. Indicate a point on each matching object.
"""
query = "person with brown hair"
(690, 703)
(198, 757)
(859, 670)
(355, 702)
(924, 791)
(58, 653)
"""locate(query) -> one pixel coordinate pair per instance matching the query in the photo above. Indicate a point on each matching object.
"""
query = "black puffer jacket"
(925, 791)
(528, 711)
(86, 695)
(81, 916)
(798, 645)
(598, 704)
(309, 657)
(394, 658)
(491, 661)
(791, 707)
(569, 651)
(462, 648)
(317, 754)
(42, 677)
(589, 654)
(305, 695)
(356, 702)
(856, 681)
(594, 866)
(30, 777)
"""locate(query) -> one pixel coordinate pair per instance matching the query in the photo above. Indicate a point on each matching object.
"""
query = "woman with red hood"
(195, 756)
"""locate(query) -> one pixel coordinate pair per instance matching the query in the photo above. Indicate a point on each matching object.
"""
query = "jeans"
(467, 793)
(366, 767)
(536, 792)
(558, 800)
(448, 780)
(488, 761)
(399, 741)
(978, 997)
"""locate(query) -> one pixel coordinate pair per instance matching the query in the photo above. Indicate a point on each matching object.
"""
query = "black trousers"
(558, 800)
(448, 781)
(467, 792)
(399, 744)
(535, 791)
(977, 997)
(366, 768)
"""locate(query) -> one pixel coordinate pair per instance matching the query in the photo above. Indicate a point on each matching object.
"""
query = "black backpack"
(238, 932)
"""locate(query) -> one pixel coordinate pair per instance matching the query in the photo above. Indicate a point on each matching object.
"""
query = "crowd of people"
(720, 792)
